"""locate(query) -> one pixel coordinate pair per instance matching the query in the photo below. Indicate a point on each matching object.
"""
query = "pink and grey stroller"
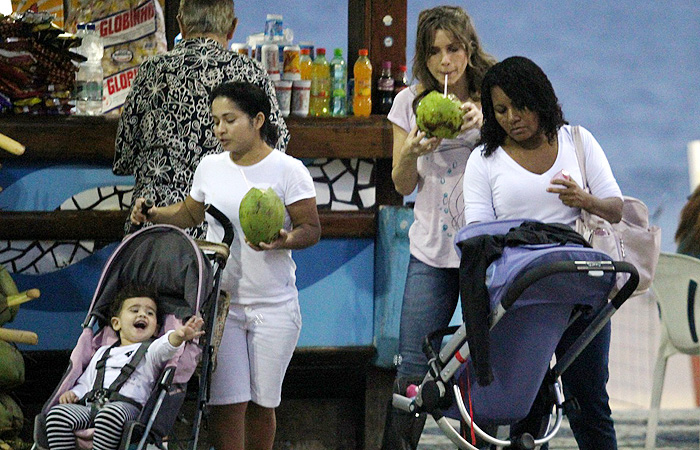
(535, 291)
(186, 276)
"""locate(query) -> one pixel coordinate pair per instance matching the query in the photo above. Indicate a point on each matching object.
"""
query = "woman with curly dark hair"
(527, 168)
(688, 233)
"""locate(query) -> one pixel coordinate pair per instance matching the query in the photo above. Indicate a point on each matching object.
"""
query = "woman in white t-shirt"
(446, 45)
(263, 324)
(527, 169)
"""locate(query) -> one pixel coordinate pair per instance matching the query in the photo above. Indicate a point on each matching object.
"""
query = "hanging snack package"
(131, 30)
(54, 7)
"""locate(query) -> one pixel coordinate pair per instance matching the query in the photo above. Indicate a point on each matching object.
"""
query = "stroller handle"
(224, 221)
(523, 282)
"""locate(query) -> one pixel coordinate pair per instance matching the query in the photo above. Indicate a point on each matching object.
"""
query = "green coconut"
(261, 215)
(439, 116)
(11, 366)
(11, 417)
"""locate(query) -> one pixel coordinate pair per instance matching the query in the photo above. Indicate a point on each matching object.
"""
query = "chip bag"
(54, 7)
(131, 30)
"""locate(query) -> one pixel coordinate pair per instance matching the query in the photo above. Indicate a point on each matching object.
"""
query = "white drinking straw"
(244, 177)
(446, 85)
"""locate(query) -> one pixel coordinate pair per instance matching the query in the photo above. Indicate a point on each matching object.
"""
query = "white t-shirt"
(498, 188)
(251, 276)
(438, 211)
(139, 385)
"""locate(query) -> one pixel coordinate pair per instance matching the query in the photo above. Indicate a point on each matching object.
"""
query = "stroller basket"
(535, 292)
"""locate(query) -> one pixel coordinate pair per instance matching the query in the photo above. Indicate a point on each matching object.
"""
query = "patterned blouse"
(166, 127)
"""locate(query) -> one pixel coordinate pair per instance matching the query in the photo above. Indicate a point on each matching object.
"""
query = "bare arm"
(306, 227)
(572, 195)
(406, 150)
(185, 214)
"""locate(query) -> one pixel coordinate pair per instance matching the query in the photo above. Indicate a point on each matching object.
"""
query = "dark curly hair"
(131, 291)
(250, 99)
(687, 235)
(528, 87)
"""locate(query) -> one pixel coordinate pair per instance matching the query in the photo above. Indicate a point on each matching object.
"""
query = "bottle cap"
(402, 67)
(386, 64)
(338, 52)
(363, 52)
(90, 26)
(321, 51)
(305, 51)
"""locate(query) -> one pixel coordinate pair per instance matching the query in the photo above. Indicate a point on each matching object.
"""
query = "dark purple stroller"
(186, 274)
(535, 292)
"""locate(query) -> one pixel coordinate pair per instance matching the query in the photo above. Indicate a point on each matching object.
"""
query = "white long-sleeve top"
(139, 385)
(498, 188)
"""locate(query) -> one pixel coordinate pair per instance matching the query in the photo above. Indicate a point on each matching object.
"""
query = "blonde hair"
(457, 22)
(206, 16)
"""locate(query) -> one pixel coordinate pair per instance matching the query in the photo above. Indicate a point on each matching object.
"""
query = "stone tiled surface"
(678, 429)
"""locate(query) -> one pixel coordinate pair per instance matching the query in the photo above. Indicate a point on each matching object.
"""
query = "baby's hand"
(190, 330)
(68, 397)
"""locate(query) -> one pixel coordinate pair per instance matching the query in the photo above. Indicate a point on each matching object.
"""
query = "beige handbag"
(631, 240)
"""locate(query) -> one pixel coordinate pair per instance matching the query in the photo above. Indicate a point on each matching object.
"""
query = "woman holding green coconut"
(264, 321)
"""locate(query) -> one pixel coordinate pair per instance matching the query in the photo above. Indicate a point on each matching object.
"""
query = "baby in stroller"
(119, 377)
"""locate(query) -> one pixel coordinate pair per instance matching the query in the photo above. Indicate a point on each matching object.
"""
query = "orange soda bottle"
(362, 100)
(305, 64)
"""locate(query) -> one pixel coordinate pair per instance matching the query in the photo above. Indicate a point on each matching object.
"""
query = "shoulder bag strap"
(578, 145)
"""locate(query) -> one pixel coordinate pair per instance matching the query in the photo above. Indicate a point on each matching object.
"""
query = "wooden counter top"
(91, 139)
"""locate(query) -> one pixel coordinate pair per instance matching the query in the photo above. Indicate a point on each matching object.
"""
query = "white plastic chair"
(676, 287)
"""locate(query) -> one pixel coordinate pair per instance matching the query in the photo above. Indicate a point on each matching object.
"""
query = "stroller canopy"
(164, 258)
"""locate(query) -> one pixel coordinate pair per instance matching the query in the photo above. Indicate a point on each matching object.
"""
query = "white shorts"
(255, 351)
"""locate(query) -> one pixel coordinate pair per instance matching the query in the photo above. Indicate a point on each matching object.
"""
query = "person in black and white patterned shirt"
(166, 126)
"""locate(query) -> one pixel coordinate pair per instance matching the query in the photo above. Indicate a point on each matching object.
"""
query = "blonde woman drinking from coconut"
(448, 57)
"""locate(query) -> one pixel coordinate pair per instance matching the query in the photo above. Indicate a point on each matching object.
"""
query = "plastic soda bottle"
(362, 101)
(305, 64)
(401, 81)
(319, 104)
(385, 86)
(339, 82)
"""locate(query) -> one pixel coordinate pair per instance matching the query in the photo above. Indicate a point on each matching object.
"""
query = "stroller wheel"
(524, 442)
(431, 396)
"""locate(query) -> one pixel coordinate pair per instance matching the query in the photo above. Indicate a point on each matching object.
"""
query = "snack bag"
(131, 30)
(54, 7)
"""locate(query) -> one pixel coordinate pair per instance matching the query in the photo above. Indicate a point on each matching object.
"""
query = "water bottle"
(339, 81)
(80, 33)
(385, 86)
(362, 101)
(88, 80)
(319, 105)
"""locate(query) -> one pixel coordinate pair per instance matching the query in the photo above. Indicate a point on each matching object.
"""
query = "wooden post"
(380, 26)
